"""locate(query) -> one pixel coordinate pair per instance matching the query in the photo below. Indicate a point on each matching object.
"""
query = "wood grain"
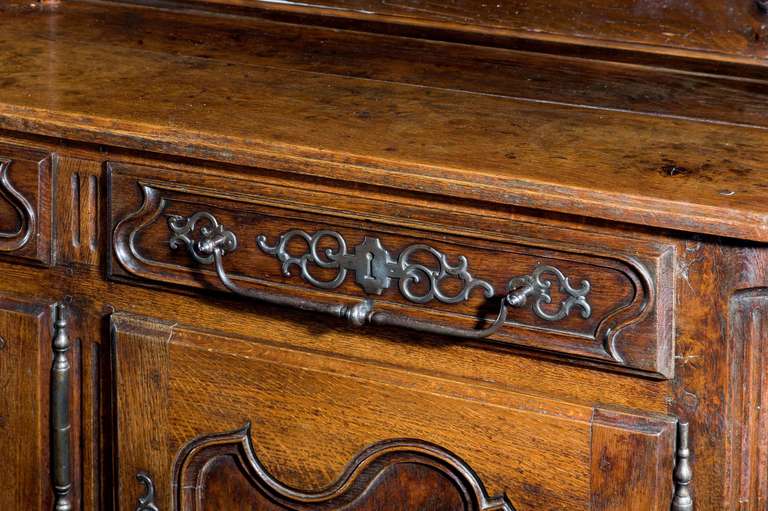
(678, 173)
(25, 203)
(586, 134)
(621, 443)
(679, 88)
(135, 429)
(537, 452)
(713, 28)
(748, 332)
(630, 324)
(25, 355)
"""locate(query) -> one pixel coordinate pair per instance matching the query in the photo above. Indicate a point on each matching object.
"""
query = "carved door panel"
(30, 365)
(212, 421)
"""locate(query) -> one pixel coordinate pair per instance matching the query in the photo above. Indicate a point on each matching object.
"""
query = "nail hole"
(2, 343)
(674, 170)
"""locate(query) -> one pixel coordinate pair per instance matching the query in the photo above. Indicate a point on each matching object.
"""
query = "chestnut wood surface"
(601, 148)
(711, 28)
(25, 358)
(25, 208)
(709, 272)
(687, 174)
(312, 414)
(629, 322)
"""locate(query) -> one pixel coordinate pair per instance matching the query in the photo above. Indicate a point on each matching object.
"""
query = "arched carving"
(408, 475)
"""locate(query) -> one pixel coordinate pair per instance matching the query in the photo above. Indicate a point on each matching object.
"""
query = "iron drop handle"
(375, 268)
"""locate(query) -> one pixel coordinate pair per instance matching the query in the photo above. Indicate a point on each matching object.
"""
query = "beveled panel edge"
(361, 470)
(748, 424)
(622, 439)
(648, 265)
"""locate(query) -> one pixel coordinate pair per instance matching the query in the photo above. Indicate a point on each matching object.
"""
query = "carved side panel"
(621, 444)
(22, 219)
(223, 472)
(78, 222)
(25, 358)
(749, 334)
(25, 203)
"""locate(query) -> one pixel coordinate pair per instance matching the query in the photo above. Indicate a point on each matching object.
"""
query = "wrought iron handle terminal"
(146, 501)
(208, 241)
(61, 420)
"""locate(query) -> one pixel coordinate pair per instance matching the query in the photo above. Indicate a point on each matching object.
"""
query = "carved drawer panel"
(206, 420)
(399, 264)
(25, 203)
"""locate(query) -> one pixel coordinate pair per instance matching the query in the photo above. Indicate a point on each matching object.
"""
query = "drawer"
(412, 263)
(25, 203)
(207, 420)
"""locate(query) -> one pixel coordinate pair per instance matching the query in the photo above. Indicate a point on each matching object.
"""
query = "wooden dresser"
(384, 255)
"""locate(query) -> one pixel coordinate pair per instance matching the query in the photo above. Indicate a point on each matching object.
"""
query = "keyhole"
(368, 265)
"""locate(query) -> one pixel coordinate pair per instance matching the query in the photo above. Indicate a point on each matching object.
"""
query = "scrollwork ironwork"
(146, 501)
(374, 266)
(211, 233)
(374, 269)
(537, 286)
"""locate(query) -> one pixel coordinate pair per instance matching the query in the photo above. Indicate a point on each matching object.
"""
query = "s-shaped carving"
(10, 241)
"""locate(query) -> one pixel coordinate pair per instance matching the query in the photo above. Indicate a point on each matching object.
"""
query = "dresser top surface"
(670, 148)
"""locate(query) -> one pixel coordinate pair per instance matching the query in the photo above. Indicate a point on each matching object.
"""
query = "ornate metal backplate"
(375, 267)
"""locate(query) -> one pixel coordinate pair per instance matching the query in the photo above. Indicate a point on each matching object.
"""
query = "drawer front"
(410, 264)
(25, 203)
(206, 420)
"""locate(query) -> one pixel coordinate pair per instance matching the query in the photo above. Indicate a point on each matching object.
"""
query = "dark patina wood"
(708, 29)
(681, 173)
(623, 145)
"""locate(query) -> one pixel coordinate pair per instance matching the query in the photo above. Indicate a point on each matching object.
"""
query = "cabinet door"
(25, 361)
(212, 421)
